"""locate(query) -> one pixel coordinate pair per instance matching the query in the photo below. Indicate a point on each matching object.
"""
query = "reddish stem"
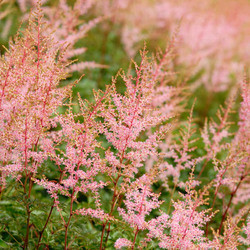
(229, 203)
(70, 216)
(136, 232)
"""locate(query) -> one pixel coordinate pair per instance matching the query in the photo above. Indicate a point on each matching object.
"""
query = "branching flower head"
(29, 95)
(185, 224)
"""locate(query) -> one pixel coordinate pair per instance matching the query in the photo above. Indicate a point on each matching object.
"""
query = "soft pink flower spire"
(30, 73)
(81, 163)
(233, 170)
(215, 132)
(122, 242)
(185, 223)
(134, 121)
(139, 202)
(179, 148)
(67, 26)
(246, 230)
(145, 105)
(230, 238)
(243, 133)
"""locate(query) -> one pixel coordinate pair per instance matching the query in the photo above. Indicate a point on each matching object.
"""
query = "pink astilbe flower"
(241, 142)
(230, 238)
(80, 160)
(244, 123)
(144, 106)
(139, 202)
(246, 230)
(185, 223)
(180, 149)
(230, 174)
(214, 132)
(233, 171)
(53, 189)
(68, 27)
(122, 242)
(94, 213)
(133, 122)
(30, 73)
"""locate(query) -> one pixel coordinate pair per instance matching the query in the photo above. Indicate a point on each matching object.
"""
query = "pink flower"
(121, 242)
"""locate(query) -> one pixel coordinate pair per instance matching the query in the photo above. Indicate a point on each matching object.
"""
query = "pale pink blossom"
(122, 242)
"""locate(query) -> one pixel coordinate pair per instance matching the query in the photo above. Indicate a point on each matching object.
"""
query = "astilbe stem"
(49, 215)
(70, 216)
(136, 232)
(113, 202)
(230, 201)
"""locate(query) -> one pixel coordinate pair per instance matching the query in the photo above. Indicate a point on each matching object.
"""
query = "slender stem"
(11, 235)
(111, 211)
(108, 232)
(48, 218)
(103, 230)
(70, 216)
(229, 203)
(28, 215)
(172, 194)
(45, 225)
(203, 167)
(137, 230)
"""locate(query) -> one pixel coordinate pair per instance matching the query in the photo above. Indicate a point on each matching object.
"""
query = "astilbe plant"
(127, 119)
(109, 170)
(30, 73)
(79, 163)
